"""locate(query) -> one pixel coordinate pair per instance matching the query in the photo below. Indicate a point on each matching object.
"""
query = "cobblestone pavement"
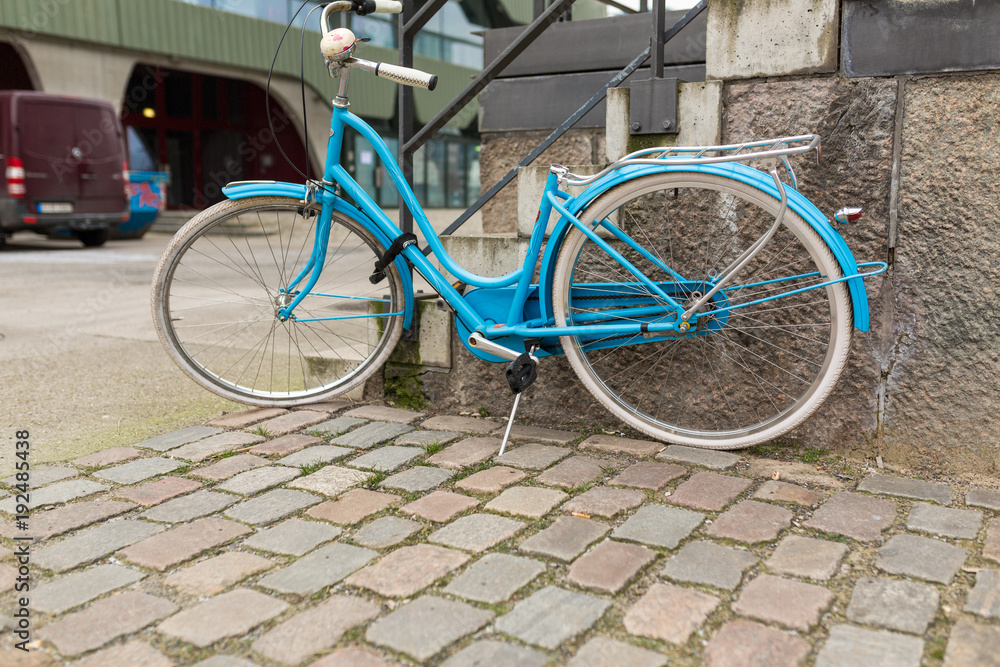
(369, 535)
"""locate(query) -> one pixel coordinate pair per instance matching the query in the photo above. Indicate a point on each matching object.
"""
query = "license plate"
(55, 207)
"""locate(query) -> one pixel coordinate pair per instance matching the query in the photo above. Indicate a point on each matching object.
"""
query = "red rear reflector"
(30, 219)
(15, 178)
(849, 214)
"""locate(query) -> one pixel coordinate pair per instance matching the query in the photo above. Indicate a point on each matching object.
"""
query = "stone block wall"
(918, 151)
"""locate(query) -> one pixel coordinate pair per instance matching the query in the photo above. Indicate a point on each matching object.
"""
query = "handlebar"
(338, 44)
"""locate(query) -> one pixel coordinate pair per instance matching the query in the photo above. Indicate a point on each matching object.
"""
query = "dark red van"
(62, 166)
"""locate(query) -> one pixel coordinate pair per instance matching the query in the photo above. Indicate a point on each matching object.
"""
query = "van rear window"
(58, 128)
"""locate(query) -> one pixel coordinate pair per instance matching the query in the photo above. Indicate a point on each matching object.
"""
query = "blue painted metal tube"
(534, 249)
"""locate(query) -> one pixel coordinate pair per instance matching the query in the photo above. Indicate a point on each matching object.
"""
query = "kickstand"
(520, 374)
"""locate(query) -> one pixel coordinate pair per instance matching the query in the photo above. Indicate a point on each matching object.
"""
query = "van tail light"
(15, 178)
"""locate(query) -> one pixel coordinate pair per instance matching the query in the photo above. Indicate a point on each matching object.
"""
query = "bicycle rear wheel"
(746, 374)
(222, 280)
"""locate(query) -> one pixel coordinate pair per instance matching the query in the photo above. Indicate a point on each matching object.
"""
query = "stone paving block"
(921, 557)
(972, 644)
(538, 434)
(792, 604)
(853, 515)
(354, 657)
(944, 522)
(8, 577)
(247, 417)
(229, 467)
(154, 493)
(386, 458)
(612, 444)
(225, 661)
(313, 455)
(191, 506)
(353, 506)
(293, 537)
(551, 616)
(495, 578)
(92, 544)
(71, 591)
(896, 605)
(271, 506)
(424, 627)
(991, 546)
(530, 501)
(55, 494)
(408, 570)
(491, 480)
(135, 653)
(533, 456)
(162, 443)
(42, 476)
(706, 458)
(708, 491)
(659, 526)
(330, 406)
(670, 613)
(107, 457)
(607, 652)
(465, 453)
(285, 445)
(460, 424)
(331, 480)
(43, 525)
(493, 652)
(314, 630)
(710, 564)
(649, 475)
(807, 557)
(574, 471)
(104, 621)
(177, 545)
(476, 532)
(425, 438)
(369, 435)
(742, 642)
(216, 574)
(384, 413)
(418, 479)
(783, 492)
(984, 598)
(137, 471)
(385, 532)
(293, 421)
(795, 472)
(609, 566)
(214, 445)
(751, 522)
(323, 567)
(230, 614)
(983, 498)
(850, 646)
(255, 481)
(439, 506)
(335, 427)
(605, 501)
(565, 539)
(907, 488)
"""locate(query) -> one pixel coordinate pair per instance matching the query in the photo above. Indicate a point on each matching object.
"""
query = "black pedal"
(521, 373)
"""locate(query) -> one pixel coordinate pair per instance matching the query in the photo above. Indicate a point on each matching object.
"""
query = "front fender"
(736, 171)
(244, 189)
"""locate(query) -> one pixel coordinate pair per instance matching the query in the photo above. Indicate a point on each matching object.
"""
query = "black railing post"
(405, 109)
(659, 26)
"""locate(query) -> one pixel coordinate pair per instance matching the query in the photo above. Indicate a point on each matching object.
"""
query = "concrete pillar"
(756, 38)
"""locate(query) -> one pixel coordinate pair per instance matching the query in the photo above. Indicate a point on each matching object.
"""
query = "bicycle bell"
(338, 44)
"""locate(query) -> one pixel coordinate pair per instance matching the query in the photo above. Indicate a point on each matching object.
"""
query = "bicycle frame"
(484, 313)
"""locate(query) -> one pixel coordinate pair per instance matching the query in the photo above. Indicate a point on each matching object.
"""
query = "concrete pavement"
(346, 534)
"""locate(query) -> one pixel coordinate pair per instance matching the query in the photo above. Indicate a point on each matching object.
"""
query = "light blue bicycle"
(702, 301)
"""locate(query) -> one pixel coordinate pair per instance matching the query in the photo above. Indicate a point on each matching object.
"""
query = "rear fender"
(244, 189)
(736, 171)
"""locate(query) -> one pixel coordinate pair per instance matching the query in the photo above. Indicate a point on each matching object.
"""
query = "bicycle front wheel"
(222, 280)
(753, 368)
